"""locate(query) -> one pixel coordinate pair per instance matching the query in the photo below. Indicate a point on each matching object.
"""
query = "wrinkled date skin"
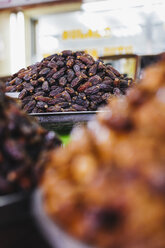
(23, 142)
(62, 78)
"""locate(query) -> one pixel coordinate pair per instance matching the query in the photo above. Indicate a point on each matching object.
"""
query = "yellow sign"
(90, 34)
(106, 51)
(93, 52)
(117, 50)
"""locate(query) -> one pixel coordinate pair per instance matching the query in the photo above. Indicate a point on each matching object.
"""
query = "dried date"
(34, 83)
(51, 73)
(59, 73)
(42, 98)
(95, 80)
(62, 81)
(70, 90)
(110, 74)
(65, 77)
(79, 107)
(40, 93)
(30, 106)
(60, 63)
(45, 86)
(114, 70)
(44, 71)
(70, 63)
(76, 68)
(92, 90)
(41, 105)
(56, 91)
(11, 88)
(84, 86)
(22, 94)
(86, 60)
(67, 53)
(66, 96)
(19, 87)
(55, 101)
(106, 87)
(93, 70)
(75, 82)
(70, 75)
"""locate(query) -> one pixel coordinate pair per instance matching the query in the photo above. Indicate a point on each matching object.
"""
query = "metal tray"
(12, 94)
(14, 207)
(63, 122)
(53, 234)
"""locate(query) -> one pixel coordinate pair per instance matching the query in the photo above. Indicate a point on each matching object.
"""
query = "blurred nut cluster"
(107, 187)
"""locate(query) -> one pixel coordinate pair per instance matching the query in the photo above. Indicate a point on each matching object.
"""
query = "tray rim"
(68, 113)
(12, 198)
(50, 230)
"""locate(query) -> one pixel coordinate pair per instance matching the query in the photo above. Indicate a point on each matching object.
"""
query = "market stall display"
(22, 142)
(70, 81)
(106, 188)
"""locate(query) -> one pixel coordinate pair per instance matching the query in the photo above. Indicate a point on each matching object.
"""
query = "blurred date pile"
(22, 142)
(69, 81)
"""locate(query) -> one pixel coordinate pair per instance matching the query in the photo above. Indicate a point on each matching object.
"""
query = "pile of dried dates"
(69, 81)
(22, 141)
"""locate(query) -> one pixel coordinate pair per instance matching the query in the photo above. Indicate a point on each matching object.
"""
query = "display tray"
(53, 234)
(12, 94)
(14, 207)
(63, 122)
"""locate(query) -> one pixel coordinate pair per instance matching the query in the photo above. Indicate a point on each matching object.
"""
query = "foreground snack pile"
(70, 81)
(107, 188)
(22, 141)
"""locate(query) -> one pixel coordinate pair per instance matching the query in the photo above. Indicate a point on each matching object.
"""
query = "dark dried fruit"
(22, 94)
(41, 79)
(42, 98)
(93, 70)
(114, 70)
(62, 81)
(44, 71)
(30, 106)
(66, 96)
(23, 141)
(55, 108)
(70, 63)
(56, 91)
(95, 80)
(75, 83)
(86, 59)
(60, 63)
(41, 105)
(59, 73)
(92, 90)
(55, 101)
(70, 75)
(45, 86)
(34, 83)
(106, 87)
(110, 74)
(64, 77)
(67, 53)
(84, 86)
(76, 68)
(79, 107)
(70, 91)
